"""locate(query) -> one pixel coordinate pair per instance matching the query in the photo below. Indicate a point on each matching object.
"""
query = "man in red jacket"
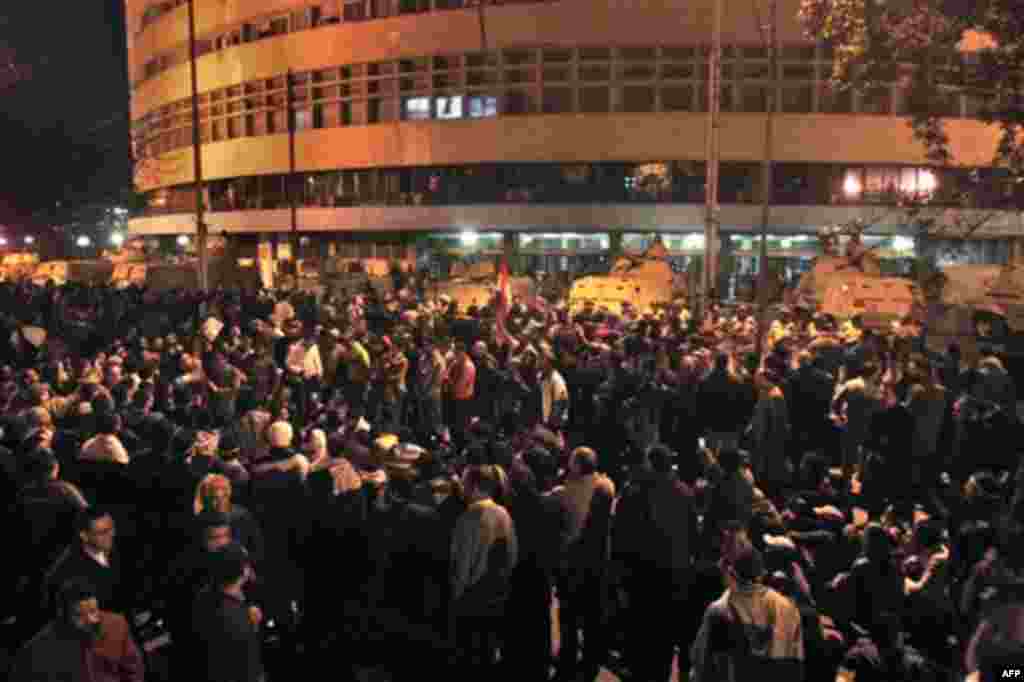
(82, 643)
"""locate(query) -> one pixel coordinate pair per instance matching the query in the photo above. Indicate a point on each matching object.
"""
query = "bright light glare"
(3, 241)
(83, 241)
(693, 241)
(902, 244)
(851, 186)
(117, 239)
(469, 238)
(927, 182)
(183, 240)
(30, 240)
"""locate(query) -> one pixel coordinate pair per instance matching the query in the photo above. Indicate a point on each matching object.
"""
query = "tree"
(932, 48)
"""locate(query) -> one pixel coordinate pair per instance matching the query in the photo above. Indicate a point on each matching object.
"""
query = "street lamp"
(30, 240)
(183, 240)
(3, 241)
(83, 241)
(851, 186)
(117, 239)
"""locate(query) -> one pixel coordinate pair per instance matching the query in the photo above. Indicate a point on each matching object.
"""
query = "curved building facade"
(554, 126)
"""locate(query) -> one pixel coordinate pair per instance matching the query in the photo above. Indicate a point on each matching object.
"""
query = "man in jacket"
(92, 558)
(809, 395)
(717, 400)
(655, 533)
(751, 632)
(588, 495)
(81, 643)
(227, 629)
(484, 553)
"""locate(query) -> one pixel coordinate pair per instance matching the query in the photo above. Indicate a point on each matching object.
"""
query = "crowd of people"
(235, 487)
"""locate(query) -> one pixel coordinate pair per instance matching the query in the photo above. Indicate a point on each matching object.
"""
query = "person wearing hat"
(751, 632)
(228, 645)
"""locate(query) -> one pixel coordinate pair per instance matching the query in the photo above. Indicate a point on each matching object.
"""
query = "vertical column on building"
(726, 264)
(614, 244)
(510, 250)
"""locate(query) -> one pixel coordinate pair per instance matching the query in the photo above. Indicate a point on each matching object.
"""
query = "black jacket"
(75, 563)
(227, 644)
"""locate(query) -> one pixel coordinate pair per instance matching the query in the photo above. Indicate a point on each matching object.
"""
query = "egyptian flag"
(504, 302)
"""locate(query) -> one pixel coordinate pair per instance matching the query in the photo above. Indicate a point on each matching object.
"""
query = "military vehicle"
(852, 285)
(644, 282)
(475, 283)
(16, 266)
(63, 271)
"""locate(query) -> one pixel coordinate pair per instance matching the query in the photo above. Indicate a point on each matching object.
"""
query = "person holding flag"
(503, 304)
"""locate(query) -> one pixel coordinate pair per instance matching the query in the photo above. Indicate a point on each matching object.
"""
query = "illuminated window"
(447, 108)
(483, 106)
(416, 109)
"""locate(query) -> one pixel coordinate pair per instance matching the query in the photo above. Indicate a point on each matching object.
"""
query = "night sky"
(64, 118)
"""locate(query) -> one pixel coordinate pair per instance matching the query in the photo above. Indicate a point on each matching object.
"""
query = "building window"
(355, 10)
(797, 100)
(557, 101)
(448, 108)
(483, 106)
(416, 109)
(595, 73)
(519, 102)
(637, 100)
(595, 100)
(515, 57)
(677, 98)
(303, 119)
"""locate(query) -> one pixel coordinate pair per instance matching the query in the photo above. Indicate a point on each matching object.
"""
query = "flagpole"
(710, 270)
(197, 153)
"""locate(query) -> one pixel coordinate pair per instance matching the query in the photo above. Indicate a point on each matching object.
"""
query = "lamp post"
(710, 270)
(197, 156)
(767, 175)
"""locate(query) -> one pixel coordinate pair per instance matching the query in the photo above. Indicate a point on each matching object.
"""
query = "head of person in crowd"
(375, 484)
(316, 447)
(213, 494)
(744, 565)
(440, 490)
(582, 462)
(280, 435)
(544, 467)
(876, 545)
(78, 610)
(213, 529)
(482, 482)
(231, 568)
(40, 466)
(661, 460)
(96, 530)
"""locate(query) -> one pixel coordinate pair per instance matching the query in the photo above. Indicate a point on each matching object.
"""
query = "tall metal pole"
(289, 190)
(197, 155)
(712, 154)
(767, 176)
